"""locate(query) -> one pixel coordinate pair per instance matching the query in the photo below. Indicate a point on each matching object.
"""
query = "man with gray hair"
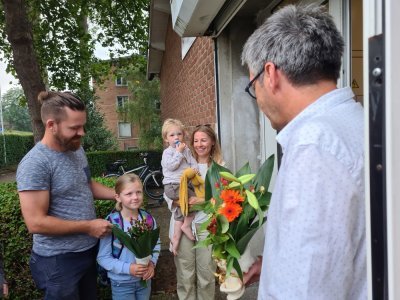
(315, 245)
(56, 195)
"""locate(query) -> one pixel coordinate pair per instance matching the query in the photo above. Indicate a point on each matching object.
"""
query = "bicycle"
(152, 179)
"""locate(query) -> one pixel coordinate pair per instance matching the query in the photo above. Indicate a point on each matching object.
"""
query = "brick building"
(195, 48)
(188, 87)
(114, 94)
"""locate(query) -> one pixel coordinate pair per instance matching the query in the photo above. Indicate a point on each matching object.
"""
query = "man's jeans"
(66, 276)
(130, 290)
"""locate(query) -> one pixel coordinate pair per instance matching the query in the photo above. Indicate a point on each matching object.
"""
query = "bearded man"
(56, 196)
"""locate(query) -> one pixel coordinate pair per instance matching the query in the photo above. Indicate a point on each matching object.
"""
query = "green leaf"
(252, 200)
(228, 176)
(237, 268)
(264, 174)
(260, 215)
(219, 251)
(123, 237)
(234, 184)
(203, 243)
(243, 242)
(231, 249)
(204, 225)
(264, 200)
(142, 246)
(200, 206)
(220, 239)
(213, 177)
(246, 178)
(241, 226)
(229, 264)
(223, 223)
(243, 170)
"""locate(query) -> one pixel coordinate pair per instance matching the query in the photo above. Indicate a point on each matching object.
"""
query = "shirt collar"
(322, 104)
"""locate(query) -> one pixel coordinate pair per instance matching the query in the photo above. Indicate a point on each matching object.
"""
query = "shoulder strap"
(148, 216)
(115, 218)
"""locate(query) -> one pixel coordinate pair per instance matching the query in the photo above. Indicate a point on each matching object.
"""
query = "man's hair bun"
(43, 96)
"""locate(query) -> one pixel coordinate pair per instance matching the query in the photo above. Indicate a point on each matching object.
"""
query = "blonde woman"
(195, 267)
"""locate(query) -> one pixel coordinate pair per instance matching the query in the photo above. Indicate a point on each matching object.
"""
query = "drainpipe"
(217, 89)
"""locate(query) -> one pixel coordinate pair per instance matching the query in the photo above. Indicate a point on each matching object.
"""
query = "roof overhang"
(193, 17)
(159, 16)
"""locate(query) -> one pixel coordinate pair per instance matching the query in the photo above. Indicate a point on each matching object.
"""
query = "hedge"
(99, 160)
(16, 145)
(17, 242)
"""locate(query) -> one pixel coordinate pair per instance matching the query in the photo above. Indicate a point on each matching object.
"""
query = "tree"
(15, 111)
(97, 137)
(47, 42)
(143, 110)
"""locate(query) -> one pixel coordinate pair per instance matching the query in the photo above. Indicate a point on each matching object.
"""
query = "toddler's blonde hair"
(168, 123)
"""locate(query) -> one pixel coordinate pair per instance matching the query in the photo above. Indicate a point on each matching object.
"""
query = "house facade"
(113, 95)
(196, 48)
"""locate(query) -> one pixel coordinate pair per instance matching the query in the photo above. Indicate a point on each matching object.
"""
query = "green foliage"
(103, 207)
(16, 145)
(143, 111)
(97, 136)
(100, 159)
(15, 110)
(17, 244)
(64, 45)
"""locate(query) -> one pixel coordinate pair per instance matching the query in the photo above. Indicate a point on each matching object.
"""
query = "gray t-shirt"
(66, 176)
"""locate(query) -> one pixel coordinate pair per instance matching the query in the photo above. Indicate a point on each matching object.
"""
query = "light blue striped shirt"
(315, 245)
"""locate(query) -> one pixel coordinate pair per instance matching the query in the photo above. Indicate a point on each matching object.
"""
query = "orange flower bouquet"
(235, 205)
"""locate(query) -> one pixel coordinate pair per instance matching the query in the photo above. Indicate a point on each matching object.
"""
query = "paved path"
(7, 176)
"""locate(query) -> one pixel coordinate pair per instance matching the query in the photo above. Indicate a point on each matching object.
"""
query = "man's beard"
(71, 144)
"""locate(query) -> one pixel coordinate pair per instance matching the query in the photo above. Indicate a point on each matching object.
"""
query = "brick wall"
(188, 85)
(107, 105)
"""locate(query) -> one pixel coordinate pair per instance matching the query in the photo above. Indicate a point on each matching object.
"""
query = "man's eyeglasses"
(250, 87)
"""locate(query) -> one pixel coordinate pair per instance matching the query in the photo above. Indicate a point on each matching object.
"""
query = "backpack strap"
(149, 218)
(115, 218)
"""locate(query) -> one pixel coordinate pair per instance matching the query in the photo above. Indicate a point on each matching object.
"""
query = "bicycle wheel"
(153, 186)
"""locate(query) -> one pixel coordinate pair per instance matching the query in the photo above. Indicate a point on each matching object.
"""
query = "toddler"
(175, 159)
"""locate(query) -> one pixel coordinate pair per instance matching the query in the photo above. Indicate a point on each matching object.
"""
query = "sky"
(7, 81)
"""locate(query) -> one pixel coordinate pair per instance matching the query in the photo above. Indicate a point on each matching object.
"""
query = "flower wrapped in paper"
(236, 206)
(141, 239)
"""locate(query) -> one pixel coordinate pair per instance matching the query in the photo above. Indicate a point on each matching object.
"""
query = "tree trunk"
(20, 36)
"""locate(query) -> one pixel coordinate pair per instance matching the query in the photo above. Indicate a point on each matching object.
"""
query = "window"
(122, 101)
(124, 130)
(132, 148)
(121, 81)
